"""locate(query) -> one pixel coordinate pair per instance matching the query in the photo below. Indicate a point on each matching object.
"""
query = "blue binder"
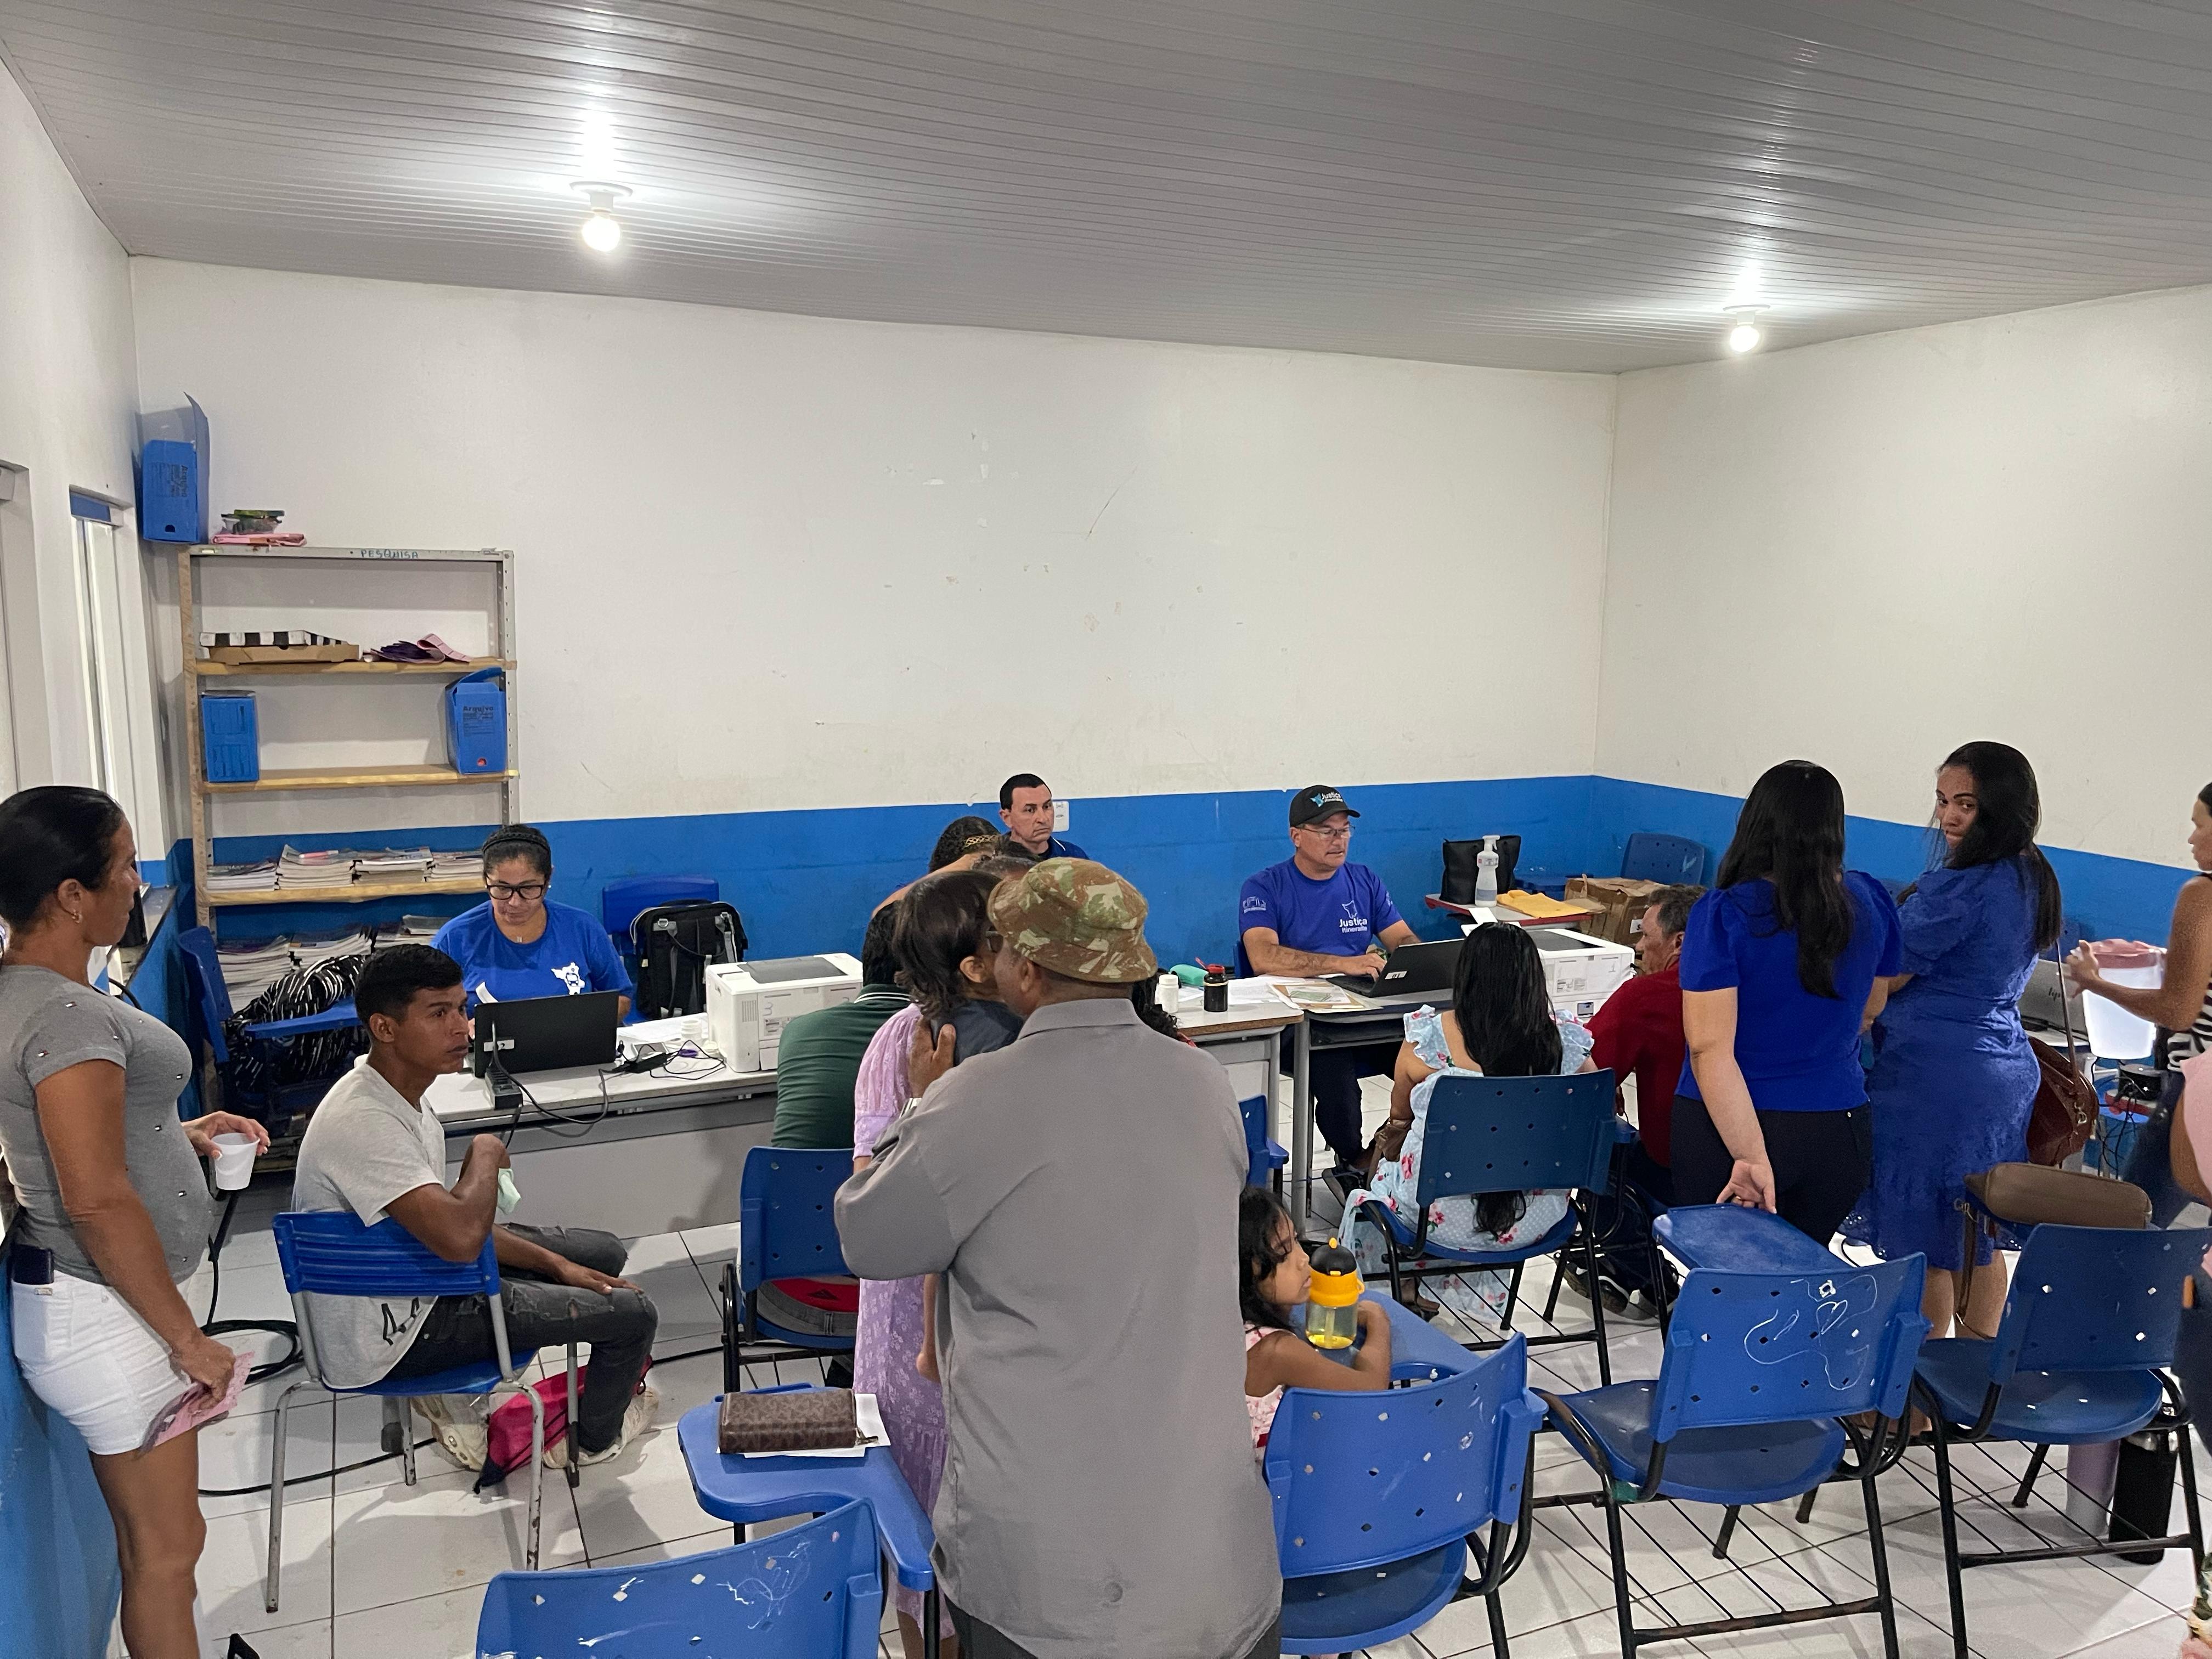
(476, 722)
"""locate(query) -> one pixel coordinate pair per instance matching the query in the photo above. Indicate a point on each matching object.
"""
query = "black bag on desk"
(1461, 868)
(674, 943)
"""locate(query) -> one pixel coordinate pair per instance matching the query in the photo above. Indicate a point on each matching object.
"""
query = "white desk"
(633, 1154)
(662, 1151)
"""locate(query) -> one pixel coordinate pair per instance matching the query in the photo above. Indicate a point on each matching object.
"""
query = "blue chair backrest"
(811, 1592)
(2095, 1300)
(1671, 858)
(1510, 1134)
(621, 901)
(1359, 1479)
(203, 970)
(331, 1253)
(1253, 1109)
(1782, 1347)
(787, 1219)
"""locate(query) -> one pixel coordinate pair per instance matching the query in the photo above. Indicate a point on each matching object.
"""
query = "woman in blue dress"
(1954, 1079)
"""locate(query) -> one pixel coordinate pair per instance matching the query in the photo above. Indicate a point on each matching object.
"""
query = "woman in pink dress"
(946, 951)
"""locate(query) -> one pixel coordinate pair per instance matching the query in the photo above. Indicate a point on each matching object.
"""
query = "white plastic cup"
(234, 1161)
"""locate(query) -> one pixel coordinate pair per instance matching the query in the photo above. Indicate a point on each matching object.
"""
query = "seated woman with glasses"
(518, 943)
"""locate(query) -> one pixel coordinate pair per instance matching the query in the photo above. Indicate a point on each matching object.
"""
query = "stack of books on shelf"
(250, 969)
(333, 868)
(456, 867)
(393, 865)
(259, 877)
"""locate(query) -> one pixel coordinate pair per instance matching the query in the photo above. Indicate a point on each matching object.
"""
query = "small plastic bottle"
(1167, 994)
(1486, 872)
(1332, 1311)
(1217, 990)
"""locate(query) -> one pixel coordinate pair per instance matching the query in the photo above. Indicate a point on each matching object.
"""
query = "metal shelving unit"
(197, 673)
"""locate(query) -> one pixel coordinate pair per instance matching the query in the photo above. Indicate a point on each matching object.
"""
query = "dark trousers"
(981, 1641)
(1332, 1075)
(1622, 1219)
(2150, 1166)
(1821, 1161)
(541, 1314)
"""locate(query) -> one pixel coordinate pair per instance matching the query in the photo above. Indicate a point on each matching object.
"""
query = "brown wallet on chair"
(809, 1420)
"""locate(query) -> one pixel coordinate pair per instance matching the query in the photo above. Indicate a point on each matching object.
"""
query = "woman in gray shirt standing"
(114, 1205)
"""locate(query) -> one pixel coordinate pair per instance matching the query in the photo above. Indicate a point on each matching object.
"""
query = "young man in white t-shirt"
(374, 1148)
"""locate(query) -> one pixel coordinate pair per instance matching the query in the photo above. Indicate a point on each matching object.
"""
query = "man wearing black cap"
(1317, 912)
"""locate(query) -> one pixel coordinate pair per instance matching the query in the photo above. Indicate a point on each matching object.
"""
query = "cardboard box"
(1617, 903)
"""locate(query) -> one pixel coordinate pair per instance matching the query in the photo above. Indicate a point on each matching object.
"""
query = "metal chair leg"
(1880, 1551)
(1805, 1505)
(1598, 1300)
(537, 1468)
(572, 1447)
(407, 1442)
(1619, 1552)
(2028, 1481)
(1512, 1297)
(1947, 1509)
(1551, 1301)
(1728, 1532)
(277, 1496)
(932, 1615)
(2185, 1443)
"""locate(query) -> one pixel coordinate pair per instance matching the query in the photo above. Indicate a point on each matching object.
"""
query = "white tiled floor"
(373, 1569)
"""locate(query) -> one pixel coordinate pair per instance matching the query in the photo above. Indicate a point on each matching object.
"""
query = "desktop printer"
(748, 1002)
(1580, 971)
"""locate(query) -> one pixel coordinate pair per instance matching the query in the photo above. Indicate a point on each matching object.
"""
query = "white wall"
(770, 562)
(68, 398)
(1868, 552)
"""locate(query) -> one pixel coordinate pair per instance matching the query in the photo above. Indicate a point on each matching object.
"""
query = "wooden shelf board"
(373, 670)
(360, 892)
(372, 777)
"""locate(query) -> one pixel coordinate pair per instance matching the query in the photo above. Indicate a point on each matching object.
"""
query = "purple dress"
(889, 1333)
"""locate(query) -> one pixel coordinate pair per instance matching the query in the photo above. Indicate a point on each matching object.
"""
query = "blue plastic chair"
(1267, 1158)
(266, 1040)
(742, 1490)
(1672, 858)
(1378, 1498)
(809, 1592)
(786, 1229)
(2089, 1324)
(1759, 1368)
(1510, 1134)
(329, 1253)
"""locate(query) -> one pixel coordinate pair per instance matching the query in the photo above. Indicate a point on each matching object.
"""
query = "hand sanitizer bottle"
(1485, 873)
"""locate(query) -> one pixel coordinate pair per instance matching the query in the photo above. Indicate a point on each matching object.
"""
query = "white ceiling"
(1556, 184)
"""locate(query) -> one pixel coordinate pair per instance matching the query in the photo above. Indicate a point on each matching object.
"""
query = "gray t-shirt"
(364, 1147)
(49, 1024)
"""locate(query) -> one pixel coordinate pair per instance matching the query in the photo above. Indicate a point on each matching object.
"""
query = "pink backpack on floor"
(507, 1446)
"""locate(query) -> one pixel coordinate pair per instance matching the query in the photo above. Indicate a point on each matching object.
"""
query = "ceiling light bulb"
(602, 234)
(1742, 337)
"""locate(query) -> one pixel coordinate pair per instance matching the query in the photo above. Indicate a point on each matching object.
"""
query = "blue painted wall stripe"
(806, 880)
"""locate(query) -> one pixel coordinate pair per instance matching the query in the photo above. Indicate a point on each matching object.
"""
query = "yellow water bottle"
(1332, 1313)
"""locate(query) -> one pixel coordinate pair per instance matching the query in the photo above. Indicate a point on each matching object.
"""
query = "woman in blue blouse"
(1783, 966)
(1954, 1080)
(518, 943)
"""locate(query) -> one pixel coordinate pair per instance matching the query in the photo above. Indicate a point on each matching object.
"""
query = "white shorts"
(87, 1353)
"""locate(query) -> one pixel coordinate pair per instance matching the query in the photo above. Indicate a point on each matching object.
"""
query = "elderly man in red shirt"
(1639, 1031)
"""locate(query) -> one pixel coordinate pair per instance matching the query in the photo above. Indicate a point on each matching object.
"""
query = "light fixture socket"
(598, 194)
(1746, 333)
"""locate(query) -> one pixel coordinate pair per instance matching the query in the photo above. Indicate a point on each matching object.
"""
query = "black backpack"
(674, 943)
(1461, 868)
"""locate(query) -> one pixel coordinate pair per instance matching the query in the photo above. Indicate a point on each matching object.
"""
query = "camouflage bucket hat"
(1076, 917)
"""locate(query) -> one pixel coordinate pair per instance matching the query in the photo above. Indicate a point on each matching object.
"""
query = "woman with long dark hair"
(115, 1210)
(1954, 1079)
(1500, 1024)
(1784, 964)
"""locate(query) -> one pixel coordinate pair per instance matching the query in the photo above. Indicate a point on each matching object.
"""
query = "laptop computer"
(546, 1034)
(1413, 972)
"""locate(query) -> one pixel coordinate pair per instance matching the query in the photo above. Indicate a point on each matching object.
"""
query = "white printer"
(1581, 972)
(748, 1002)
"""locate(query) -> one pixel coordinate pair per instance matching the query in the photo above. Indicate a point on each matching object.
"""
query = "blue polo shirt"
(1798, 1052)
(1059, 848)
(1339, 916)
(574, 955)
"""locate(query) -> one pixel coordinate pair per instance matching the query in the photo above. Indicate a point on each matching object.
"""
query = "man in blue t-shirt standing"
(1317, 912)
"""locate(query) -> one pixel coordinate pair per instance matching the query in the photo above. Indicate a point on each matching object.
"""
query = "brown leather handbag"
(2065, 1109)
(2029, 1194)
(809, 1420)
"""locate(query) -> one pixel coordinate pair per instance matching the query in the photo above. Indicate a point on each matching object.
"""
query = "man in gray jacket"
(1077, 1191)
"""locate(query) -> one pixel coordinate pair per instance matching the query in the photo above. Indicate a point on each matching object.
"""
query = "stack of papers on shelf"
(392, 865)
(250, 969)
(333, 868)
(456, 867)
(409, 930)
(259, 876)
